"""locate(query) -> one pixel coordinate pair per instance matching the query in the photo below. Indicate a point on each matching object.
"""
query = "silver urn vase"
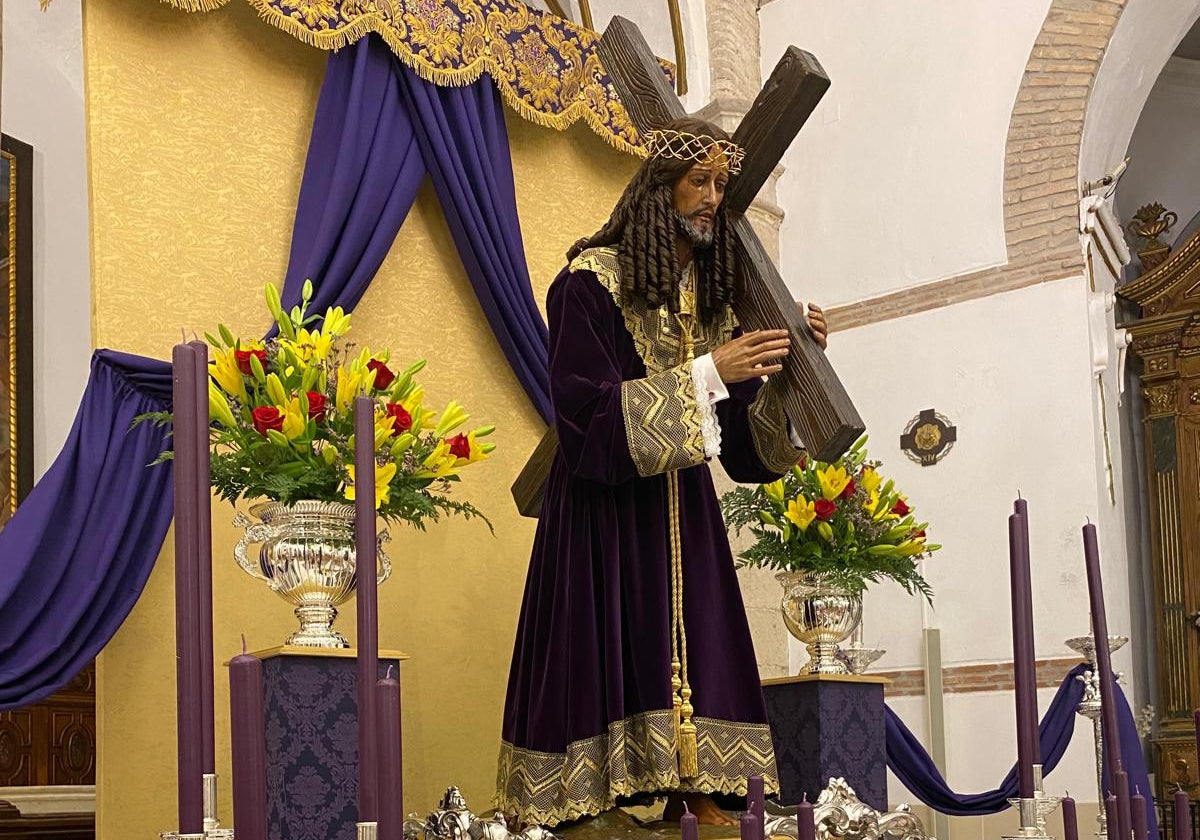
(308, 558)
(820, 615)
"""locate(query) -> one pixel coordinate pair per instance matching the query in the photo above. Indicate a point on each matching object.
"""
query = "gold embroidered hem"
(656, 333)
(635, 755)
(769, 428)
(546, 68)
(663, 423)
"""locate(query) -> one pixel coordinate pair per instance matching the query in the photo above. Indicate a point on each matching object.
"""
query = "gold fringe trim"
(373, 21)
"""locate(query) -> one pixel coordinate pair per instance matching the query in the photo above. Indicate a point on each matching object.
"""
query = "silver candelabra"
(1090, 708)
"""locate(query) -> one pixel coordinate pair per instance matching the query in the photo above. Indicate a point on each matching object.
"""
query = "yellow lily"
(833, 481)
(383, 481)
(800, 512)
(438, 464)
(774, 491)
(452, 417)
(350, 383)
(871, 480)
(335, 323)
(224, 371)
(218, 407)
(294, 421)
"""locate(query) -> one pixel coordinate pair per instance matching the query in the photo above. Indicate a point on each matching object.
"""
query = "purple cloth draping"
(80, 548)
(464, 143)
(75, 556)
(915, 769)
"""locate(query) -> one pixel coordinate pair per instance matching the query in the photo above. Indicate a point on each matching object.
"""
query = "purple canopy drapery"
(77, 553)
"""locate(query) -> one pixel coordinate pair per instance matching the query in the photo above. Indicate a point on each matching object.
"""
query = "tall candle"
(391, 767)
(248, 733)
(1070, 819)
(1124, 805)
(1110, 815)
(756, 802)
(688, 829)
(1023, 670)
(208, 759)
(368, 614)
(1108, 711)
(1137, 804)
(1196, 727)
(1021, 508)
(1183, 816)
(749, 829)
(187, 622)
(806, 826)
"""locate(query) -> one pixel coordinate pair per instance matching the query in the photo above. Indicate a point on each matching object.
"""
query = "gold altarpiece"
(1166, 337)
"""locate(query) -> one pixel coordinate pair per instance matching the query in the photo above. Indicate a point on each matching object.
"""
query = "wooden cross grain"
(815, 401)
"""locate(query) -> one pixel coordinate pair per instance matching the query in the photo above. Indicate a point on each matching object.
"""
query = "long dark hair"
(643, 227)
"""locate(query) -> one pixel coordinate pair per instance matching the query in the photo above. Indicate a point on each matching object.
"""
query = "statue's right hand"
(751, 354)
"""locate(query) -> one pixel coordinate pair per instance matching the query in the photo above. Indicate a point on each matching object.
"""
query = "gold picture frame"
(16, 324)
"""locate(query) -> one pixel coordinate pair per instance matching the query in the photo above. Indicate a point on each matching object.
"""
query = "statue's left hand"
(816, 322)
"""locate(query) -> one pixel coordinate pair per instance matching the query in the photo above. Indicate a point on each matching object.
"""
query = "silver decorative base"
(453, 820)
(1033, 826)
(211, 834)
(858, 659)
(841, 815)
(366, 831)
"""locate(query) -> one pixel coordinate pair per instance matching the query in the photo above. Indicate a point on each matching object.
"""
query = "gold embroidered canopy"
(545, 67)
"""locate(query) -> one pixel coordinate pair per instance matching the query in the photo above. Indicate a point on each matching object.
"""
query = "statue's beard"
(698, 237)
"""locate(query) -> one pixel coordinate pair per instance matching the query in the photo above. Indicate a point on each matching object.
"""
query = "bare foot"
(700, 804)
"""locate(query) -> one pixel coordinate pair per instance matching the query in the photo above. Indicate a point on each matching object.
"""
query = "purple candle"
(391, 767)
(1023, 670)
(368, 611)
(1021, 508)
(688, 829)
(187, 583)
(749, 827)
(756, 802)
(1110, 815)
(1137, 804)
(208, 756)
(1183, 816)
(1124, 805)
(805, 821)
(1108, 713)
(1196, 727)
(246, 724)
(1070, 819)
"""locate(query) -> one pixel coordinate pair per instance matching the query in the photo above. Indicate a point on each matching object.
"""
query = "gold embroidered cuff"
(635, 755)
(663, 422)
(769, 428)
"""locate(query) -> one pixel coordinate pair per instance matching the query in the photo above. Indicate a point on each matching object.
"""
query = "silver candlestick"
(1090, 708)
(1033, 823)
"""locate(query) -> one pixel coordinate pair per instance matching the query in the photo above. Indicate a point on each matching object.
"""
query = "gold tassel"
(689, 761)
(676, 699)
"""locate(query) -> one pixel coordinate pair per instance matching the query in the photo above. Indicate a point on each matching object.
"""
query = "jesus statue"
(633, 670)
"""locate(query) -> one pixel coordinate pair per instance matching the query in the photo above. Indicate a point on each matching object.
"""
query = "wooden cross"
(815, 400)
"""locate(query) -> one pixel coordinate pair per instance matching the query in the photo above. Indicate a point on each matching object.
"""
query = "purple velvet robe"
(589, 713)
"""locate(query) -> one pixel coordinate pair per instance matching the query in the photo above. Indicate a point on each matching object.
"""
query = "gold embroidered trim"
(656, 333)
(635, 755)
(663, 424)
(768, 427)
(546, 68)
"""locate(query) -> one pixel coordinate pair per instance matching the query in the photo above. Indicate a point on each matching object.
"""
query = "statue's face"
(696, 197)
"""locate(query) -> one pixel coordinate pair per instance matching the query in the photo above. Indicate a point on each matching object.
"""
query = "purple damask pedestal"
(311, 710)
(825, 726)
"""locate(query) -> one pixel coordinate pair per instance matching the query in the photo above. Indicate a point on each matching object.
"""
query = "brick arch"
(1041, 169)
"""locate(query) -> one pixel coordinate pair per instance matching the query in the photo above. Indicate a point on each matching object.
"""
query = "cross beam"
(815, 401)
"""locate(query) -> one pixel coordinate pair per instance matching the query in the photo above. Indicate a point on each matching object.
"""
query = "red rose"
(383, 376)
(917, 535)
(460, 447)
(900, 509)
(243, 359)
(316, 405)
(267, 417)
(849, 491)
(803, 463)
(401, 419)
(824, 509)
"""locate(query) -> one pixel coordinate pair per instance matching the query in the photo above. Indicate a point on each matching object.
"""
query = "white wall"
(1013, 373)
(1144, 39)
(897, 179)
(43, 106)
(1164, 161)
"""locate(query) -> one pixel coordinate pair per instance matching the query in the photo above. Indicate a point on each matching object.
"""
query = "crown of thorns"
(707, 151)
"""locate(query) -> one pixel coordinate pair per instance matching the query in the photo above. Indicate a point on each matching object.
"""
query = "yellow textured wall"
(198, 126)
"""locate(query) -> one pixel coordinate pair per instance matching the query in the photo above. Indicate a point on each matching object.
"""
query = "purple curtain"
(75, 557)
(464, 142)
(916, 771)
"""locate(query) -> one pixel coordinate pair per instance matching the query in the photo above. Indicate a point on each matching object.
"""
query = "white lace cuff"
(709, 391)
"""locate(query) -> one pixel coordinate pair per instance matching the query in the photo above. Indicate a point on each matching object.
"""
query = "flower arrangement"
(282, 421)
(842, 520)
